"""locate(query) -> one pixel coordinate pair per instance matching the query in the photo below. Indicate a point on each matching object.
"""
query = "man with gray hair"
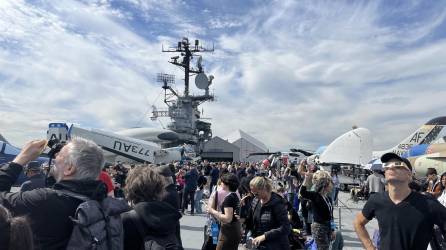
(76, 170)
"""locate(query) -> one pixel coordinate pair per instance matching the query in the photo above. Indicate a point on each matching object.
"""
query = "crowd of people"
(93, 205)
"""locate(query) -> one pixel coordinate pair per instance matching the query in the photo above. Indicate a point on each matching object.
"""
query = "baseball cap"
(33, 166)
(389, 156)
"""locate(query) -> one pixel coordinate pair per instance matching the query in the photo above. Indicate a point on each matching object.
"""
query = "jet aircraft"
(120, 147)
(426, 156)
(355, 146)
(276, 159)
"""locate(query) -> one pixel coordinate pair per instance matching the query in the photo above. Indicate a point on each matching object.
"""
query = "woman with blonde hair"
(321, 228)
(268, 217)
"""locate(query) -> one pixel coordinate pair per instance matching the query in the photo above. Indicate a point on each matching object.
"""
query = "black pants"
(230, 236)
(180, 195)
(188, 196)
(305, 211)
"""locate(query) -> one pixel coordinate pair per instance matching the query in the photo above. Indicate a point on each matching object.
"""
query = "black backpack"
(97, 224)
(153, 241)
(201, 182)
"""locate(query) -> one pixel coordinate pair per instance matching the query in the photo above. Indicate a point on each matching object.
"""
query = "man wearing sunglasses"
(405, 218)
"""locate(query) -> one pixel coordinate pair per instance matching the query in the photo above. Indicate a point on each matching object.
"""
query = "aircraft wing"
(304, 152)
(127, 147)
(264, 153)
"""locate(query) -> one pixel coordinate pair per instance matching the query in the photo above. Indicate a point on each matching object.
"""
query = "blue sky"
(290, 73)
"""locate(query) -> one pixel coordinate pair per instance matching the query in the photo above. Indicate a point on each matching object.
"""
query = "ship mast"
(184, 47)
(183, 109)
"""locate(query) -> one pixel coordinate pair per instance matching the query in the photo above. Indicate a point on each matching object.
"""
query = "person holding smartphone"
(230, 227)
(267, 218)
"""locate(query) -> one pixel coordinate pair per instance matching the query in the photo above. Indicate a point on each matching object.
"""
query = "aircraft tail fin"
(426, 134)
(3, 139)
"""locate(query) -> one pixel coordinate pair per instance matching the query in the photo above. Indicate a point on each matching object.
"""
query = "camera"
(55, 146)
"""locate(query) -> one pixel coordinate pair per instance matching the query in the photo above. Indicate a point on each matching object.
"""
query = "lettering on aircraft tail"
(416, 137)
(118, 145)
(425, 135)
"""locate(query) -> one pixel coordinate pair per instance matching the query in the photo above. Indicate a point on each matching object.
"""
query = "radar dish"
(201, 81)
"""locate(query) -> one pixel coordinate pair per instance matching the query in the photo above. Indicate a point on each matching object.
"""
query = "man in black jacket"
(36, 177)
(191, 178)
(76, 169)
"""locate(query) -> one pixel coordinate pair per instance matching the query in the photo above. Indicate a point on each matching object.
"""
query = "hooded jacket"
(158, 218)
(47, 210)
(270, 219)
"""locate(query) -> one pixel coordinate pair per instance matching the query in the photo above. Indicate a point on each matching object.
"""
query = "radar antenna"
(187, 51)
(183, 109)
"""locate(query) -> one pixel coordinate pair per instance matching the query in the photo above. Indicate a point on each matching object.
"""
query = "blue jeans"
(334, 196)
(198, 197)
(296, 202)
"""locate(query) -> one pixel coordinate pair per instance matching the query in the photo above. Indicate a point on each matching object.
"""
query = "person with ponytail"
(15, 232)
(321, 228)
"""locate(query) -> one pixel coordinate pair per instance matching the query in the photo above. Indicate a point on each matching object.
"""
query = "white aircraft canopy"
(353, 147)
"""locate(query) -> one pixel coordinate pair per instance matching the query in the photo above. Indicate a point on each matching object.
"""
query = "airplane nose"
(168, 136)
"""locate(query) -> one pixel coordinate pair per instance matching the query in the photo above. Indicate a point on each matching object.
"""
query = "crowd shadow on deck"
(192, 228)
(351, 241)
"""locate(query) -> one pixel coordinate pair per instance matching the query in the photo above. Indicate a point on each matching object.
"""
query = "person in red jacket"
(106, 179)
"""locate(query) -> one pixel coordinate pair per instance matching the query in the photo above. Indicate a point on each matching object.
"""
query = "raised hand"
(30, 151)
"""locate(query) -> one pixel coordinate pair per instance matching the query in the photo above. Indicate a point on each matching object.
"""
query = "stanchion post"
(339, 211)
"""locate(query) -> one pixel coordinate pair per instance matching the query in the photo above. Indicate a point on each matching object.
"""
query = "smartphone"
(250, 244)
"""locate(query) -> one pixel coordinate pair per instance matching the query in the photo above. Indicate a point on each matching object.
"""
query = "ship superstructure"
(183, 110)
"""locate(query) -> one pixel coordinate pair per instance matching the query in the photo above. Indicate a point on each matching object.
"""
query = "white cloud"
(66, 75)
(325, 61)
